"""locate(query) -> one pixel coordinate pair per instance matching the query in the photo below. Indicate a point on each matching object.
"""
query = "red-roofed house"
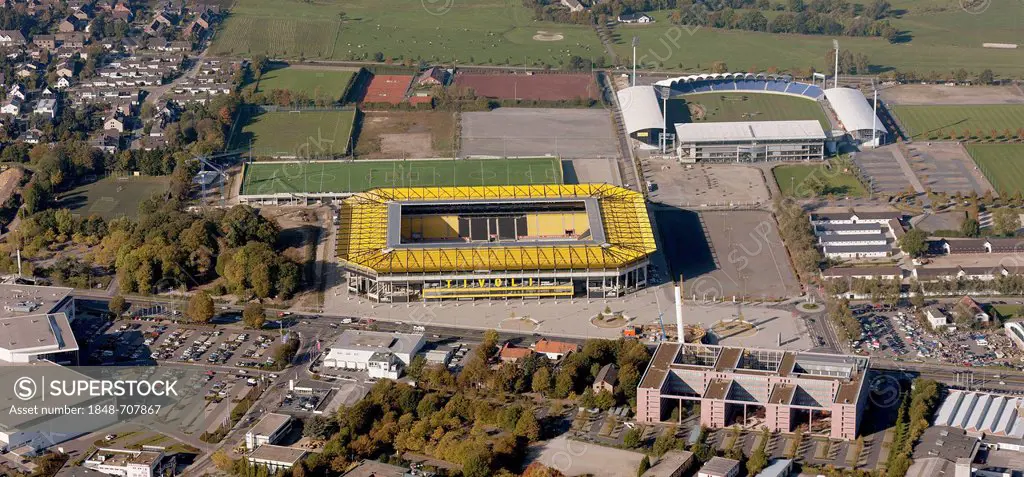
(555, 349)
(511, 354)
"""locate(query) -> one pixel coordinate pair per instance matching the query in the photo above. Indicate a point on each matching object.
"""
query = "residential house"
(433, 77)
(572, 5)
(17, 91)
(26, 70)
(68, 24)
(74, 40)
(11, 38)
(65, 69)
(635, 18)
(555, 350)
(12, 106)
(46, 107)
(973, 308)
(510, 353)
(936, 317)
(193, 30)
(114, 122)
(32, 136)
(160, 21)
(48, 42)
(108, 141)
(122, 12)
(62, 83)
(606, 378)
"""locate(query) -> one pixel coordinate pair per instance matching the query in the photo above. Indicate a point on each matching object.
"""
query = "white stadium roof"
(749, 131)
(853, 110)
(722, 76)
(640, 108)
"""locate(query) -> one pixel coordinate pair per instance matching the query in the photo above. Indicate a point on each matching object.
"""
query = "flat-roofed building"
(730, 384)
(778, 468)
(750, 141)
(382, 354)
(268, 430)
(275, 458)
(127, 462)
(868, 273)
(673, 463)
(719, 467)
(373, 468)
(856, 251)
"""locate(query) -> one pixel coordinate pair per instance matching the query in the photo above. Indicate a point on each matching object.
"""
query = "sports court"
(387, 89)
(113, 197)
(344, 177)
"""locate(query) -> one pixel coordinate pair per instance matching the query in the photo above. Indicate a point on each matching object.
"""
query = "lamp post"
(636, 41)
(835, 44)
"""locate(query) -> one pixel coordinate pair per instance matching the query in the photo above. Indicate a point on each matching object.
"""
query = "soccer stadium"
(437, 243)
(778, 137)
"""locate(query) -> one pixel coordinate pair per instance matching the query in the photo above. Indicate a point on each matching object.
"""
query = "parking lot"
(693, 185)
(532, 132)
(900, 335)
(946, 167)
(882, 170)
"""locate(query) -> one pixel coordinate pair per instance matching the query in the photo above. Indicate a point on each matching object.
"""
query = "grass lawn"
(1002, 164)
(298, 134)
(795, 180)
(464, 31)
(113, 197)
(940, 37)
(316, 82)
(406, 134)
(348, 176)
(920, 121)
(729, 107)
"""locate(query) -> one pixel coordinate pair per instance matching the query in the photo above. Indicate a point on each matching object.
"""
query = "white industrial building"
(383, 355)
(985, 413)
(268, 430)
(856, 115)
(641, 113)
(750, 141)
(855, 235)
(275, 458)
(832, 218)
(126, 463)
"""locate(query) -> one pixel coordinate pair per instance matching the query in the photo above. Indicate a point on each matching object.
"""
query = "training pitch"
(923, 122)
(297, 134)
(343, 177)
(329, 84)
(731, 107)
(1002, 164)
(113, 197)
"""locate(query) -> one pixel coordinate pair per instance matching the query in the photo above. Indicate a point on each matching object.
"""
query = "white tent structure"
(641, 113)
(855, 113)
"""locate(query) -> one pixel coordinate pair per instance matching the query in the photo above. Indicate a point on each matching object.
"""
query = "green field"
(939, 38)
(315, 82)
(730, 107)
(113, 197)
(920, 121)
(1002, 164)
(297, 134)
(340, 177)
(795, 181)
(463, 31)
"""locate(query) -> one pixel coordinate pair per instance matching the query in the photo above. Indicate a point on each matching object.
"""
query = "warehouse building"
(777, 389)
(438, 243)
(750, 141)
(856, 115)
(979, 412)
(381, 354)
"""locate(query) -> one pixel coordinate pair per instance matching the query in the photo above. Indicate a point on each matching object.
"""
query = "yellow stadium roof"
(363, 242)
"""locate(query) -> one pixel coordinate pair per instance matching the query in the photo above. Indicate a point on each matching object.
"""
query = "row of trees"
(911, 421)
(795, 229)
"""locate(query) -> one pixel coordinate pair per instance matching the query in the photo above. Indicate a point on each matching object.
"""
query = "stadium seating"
(769, 84)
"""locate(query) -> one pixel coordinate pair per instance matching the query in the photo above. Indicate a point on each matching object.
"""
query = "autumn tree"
(200, 308)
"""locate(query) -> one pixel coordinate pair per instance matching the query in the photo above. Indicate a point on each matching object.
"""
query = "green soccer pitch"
(262, 178)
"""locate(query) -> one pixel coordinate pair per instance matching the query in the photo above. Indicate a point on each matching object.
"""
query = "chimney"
(679, 311)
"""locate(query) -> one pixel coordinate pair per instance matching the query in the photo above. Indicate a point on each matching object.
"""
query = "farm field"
(795, 181)
(1002, 164)
(940, 35)
(297, 134)
(348, 176)
(315, 82)
(470, 31)
(113, 197)
(920, 121)
(729, 107)
(406, 134)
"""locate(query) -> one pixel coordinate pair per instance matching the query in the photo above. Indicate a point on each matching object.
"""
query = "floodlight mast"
(835, 44)
(636, 42)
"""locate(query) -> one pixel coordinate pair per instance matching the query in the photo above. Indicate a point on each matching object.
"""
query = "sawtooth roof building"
(437, 243)
(782, 388)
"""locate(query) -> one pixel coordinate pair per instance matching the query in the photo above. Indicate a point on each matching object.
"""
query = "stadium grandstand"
(732, 82)
(436, 243)
(750, 141)
(855, 115)
(642, 113)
